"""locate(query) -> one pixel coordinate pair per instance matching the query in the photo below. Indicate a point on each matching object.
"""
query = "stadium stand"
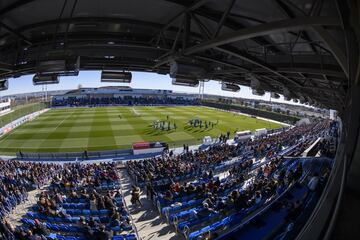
(205, 193)
(262, 188)
(126, 100)
(83, 201)
(18, 178)
(252, 111)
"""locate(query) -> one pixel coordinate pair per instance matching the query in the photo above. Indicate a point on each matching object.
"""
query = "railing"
(325, 213)
(72, 156)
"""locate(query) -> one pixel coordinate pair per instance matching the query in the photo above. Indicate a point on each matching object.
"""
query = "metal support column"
(201, 89)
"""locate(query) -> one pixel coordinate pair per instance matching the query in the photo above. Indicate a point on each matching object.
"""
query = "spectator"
(102, 234)
(135, 196)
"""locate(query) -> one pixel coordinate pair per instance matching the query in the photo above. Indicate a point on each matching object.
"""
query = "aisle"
(20, 210)
(147, 220)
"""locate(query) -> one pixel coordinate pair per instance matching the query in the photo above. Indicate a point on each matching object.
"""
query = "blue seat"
(77, 211)
(73, 229)
(94, 212)
(63, 228)
(70, 238)
(118, 238)
(86, 212)
(104, 211)
(104, 219)
(130, 237)
(55, 227)
(116, 229)
(70, 211)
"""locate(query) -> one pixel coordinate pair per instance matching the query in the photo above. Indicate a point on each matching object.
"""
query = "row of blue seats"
(68, 228)
(74, 220)
(99, 188)
(215, 167)
(227, 222)
(102, 218)
(116, 237)
(83, 200)
(183, 214)
(174, 218)
(186, 225)
(170, 209)
(274, 219)
(167, 180)
(169, 212)
(76, 208)
(249, 231)
(161, 202)
(102, 187)
(177, 197)
(255, 233)
(185, 200)
(83, 205)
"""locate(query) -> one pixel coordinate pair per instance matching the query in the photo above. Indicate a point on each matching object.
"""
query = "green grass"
(77, 129)
(20, 111)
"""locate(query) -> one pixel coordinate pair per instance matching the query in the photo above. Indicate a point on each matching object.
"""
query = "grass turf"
(94, 129)
(20, 111)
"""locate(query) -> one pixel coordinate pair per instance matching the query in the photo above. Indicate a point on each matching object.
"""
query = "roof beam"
(252, 60)
(12, 31)
(13, 6)
(215, 16)
(243, 69)
(5, 67)
(223, 18)
(256, 31)
(263, 29)
(333, 47)
(203, 29)
(288, 13)
(190, 8)
(322, 33)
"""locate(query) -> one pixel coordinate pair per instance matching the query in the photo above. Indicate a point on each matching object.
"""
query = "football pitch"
(108, 128)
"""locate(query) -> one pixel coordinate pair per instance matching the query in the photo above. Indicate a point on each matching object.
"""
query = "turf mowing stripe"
(101, 128)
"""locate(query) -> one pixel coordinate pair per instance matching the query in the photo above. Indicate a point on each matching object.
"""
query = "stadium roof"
(293, 45)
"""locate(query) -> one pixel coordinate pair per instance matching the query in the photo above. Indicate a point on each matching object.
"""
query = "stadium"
(191, 119)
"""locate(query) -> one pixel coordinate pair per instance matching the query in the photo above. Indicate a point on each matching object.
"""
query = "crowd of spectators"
(250, 192)
(126, 100)
(18, 178)
(92, 186)
(170, 165)
(208, 186)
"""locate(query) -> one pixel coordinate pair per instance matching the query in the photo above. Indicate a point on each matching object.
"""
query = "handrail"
(266, 207)
(131, 218)
(328, 204)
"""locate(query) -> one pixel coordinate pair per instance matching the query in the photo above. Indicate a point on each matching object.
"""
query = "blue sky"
(139, 80)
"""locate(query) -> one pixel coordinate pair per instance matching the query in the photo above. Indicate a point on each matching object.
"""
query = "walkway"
(147, 220)
(20, 210)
